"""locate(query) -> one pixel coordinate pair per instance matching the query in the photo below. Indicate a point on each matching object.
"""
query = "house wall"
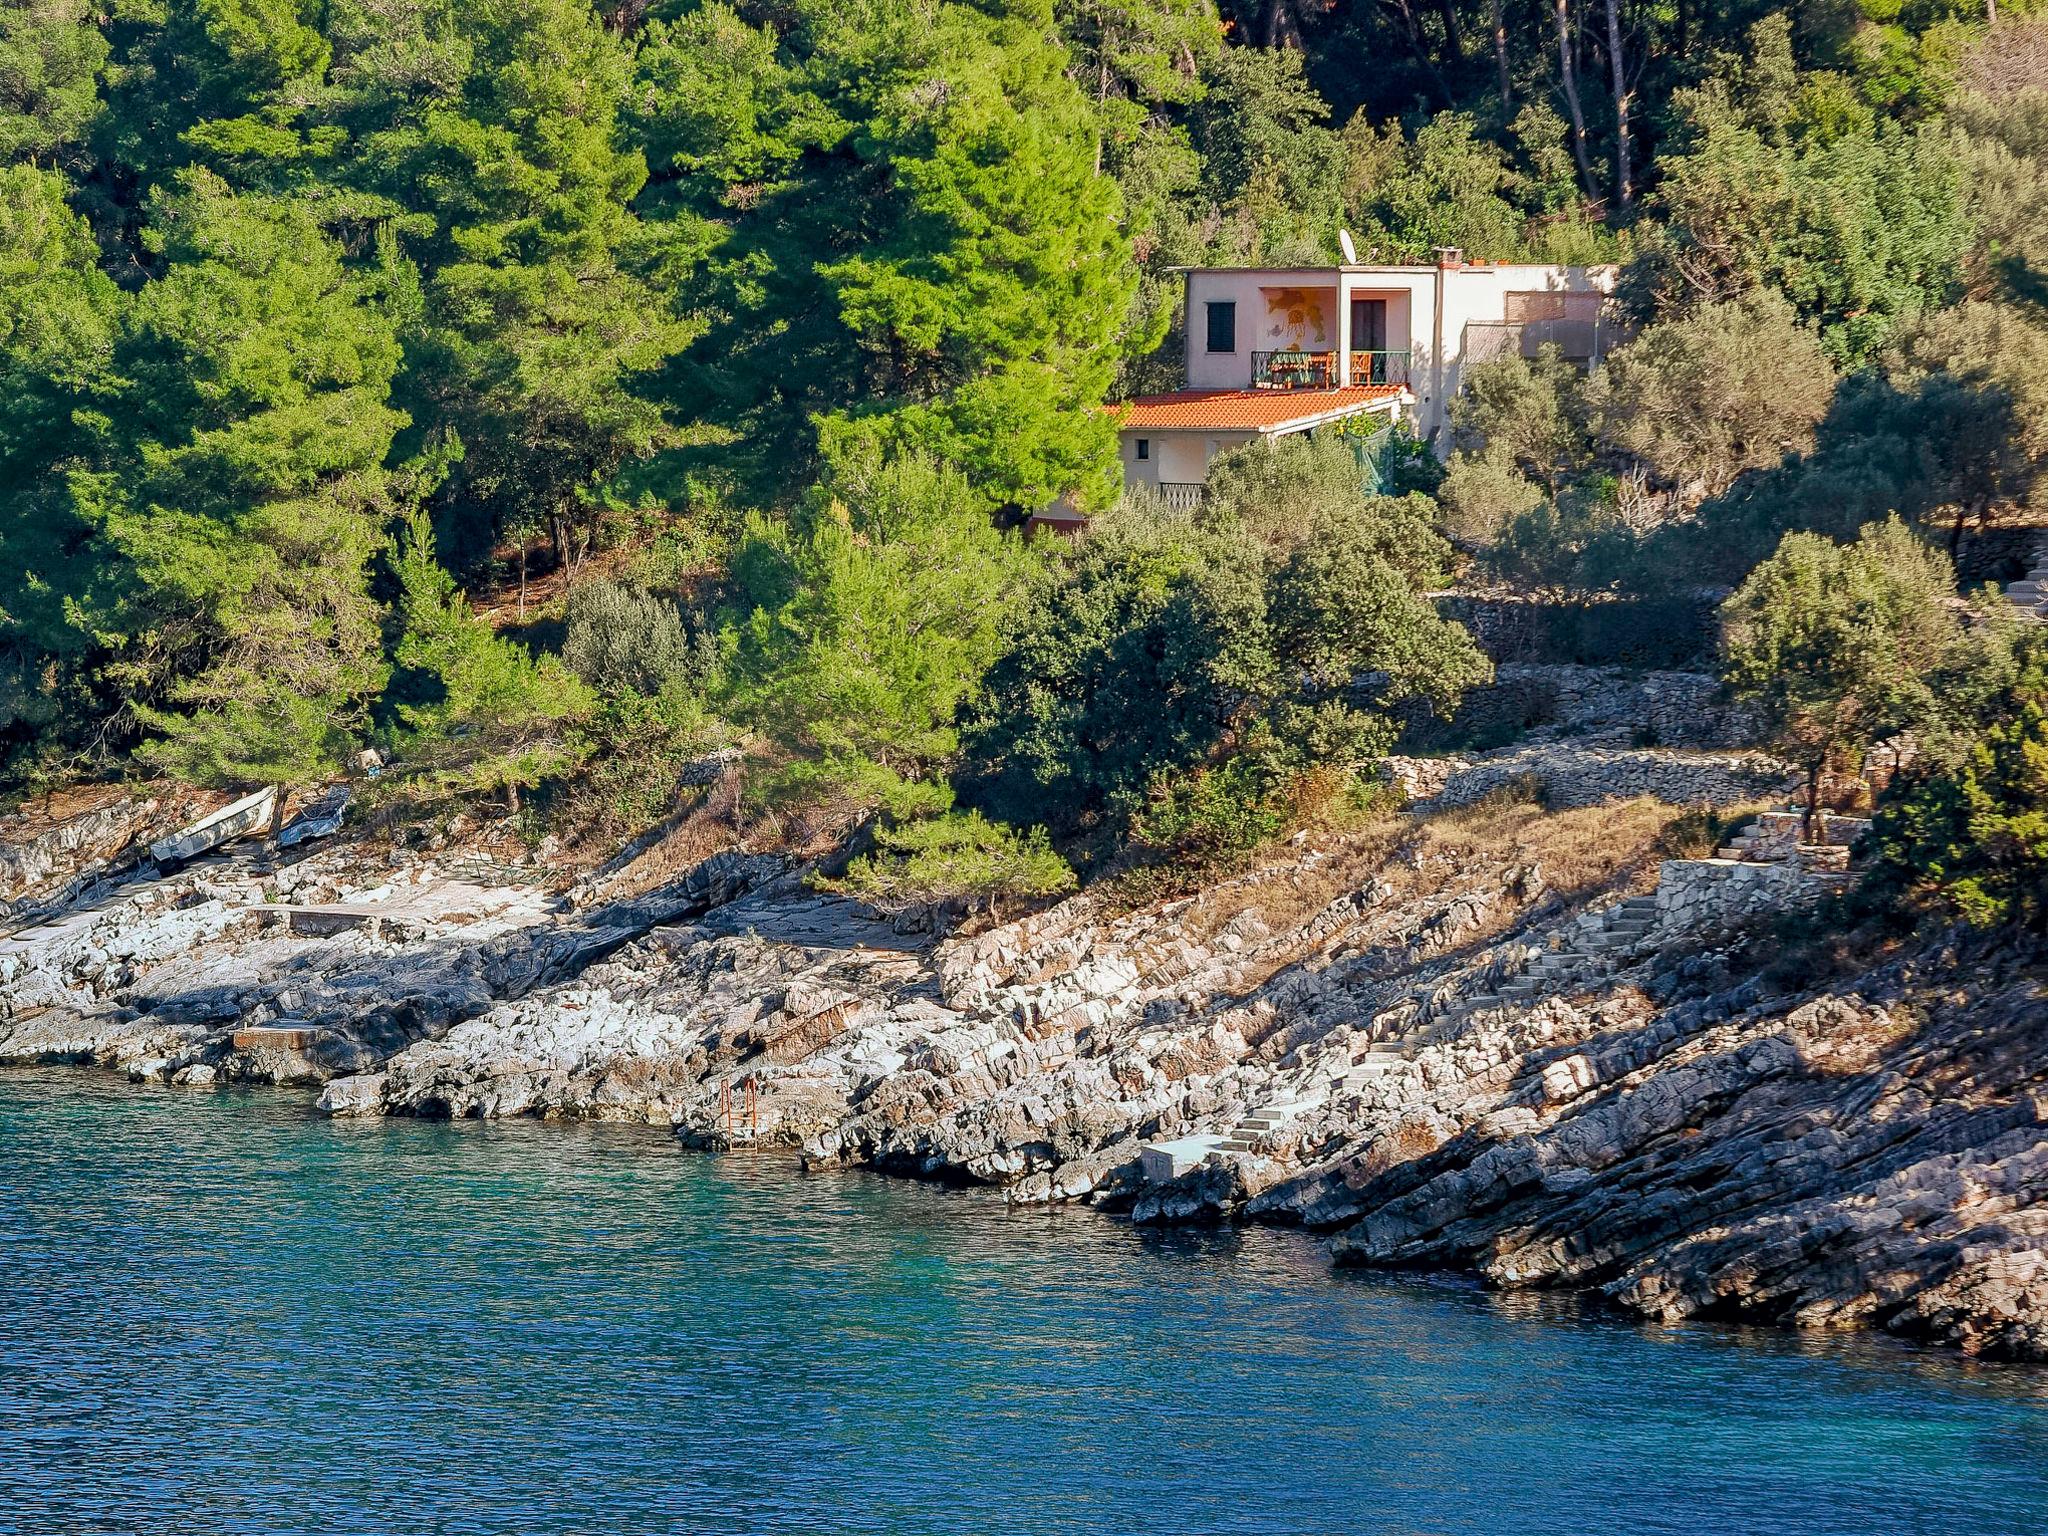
(1471, 295)
(1178, 458)
(1282, 307)
(1277, 308)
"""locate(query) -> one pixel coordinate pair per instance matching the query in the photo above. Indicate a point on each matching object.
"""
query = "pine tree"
(239, 483)
(475, 711)
(917, 252)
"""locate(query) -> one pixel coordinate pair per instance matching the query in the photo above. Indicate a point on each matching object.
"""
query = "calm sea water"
(219, 1313)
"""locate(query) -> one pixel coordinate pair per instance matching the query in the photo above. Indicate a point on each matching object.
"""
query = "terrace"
(1298, 368)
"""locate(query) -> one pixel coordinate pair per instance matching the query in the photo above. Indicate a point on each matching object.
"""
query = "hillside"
(1555, 1047)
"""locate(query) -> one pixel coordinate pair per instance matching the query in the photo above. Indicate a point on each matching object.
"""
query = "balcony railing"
(1181, 495)
(1318, 370)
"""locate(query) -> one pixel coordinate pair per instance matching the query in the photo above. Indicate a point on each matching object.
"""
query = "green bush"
(1166, 647)
(625, 641)
(474, 711)
(1966, 833)
(957, 859)
(864, 623)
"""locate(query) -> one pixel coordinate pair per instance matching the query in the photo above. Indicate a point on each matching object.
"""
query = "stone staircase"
(1242, 1136)
(2030, 593)
(1778, 837)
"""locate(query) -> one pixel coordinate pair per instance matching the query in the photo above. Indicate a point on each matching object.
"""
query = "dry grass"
(1602, 847)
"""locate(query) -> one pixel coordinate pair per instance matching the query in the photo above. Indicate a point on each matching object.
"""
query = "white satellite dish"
(1350, 250)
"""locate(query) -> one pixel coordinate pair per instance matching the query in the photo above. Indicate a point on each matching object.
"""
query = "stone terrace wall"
(1699, 896)
(1630, 632)
(1670, 709)
(1569, 775)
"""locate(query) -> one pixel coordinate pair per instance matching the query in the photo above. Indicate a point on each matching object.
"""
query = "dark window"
(1223, 327)
(1144, 447)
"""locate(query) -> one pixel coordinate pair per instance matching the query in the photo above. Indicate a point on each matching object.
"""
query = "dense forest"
(546, 395)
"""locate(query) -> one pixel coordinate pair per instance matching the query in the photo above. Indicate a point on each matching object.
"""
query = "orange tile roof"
(1250, 410)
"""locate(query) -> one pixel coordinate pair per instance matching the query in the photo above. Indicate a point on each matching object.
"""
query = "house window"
(1144, 447)
(1223, 326)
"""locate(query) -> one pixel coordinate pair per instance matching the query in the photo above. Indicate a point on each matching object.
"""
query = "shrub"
(1167, 647)
(1838, 645)
(1968, 834)
(956, 859)
(865, 622)
(625, 641)
(475, 711)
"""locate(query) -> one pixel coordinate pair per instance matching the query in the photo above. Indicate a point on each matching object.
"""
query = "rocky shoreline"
(1525, 1042)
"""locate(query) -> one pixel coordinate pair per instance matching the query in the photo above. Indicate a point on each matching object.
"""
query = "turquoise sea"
(221, 1313)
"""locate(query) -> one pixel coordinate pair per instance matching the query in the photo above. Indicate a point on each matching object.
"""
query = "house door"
(1369, 334)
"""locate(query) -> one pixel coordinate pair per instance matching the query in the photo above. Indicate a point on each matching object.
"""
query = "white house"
(1273, 351)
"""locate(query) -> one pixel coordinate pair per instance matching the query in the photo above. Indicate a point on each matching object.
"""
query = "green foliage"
(915, 218)
(237, 484)
(543, 303)
(59, 316)
(1723, 389)
(1972, 839)
(1839, 645)
(1951, 427)
(623, 641)
(1164, 647)
(1525, 414)
(864, 624)
(475, 712)
(633, 775)
(51, 56)
(959, 858)
(1279, 493)
(1857, 230)
(1445, 186)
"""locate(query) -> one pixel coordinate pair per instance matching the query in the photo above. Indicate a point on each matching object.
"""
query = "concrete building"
(1273, 351)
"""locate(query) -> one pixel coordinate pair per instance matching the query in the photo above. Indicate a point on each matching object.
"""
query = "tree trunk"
(1497, 19)
(1812, 797)
(522, 580)
(1282, 28)
(1421, 51)
(1955, 535)
(1624, 192)
(1568, 77)
(512, 797)
(1455, 48)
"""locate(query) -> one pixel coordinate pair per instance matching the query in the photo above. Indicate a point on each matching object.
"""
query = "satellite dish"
(1350, 250)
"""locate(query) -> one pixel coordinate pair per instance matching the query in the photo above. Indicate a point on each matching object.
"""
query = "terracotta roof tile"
(1249, 410)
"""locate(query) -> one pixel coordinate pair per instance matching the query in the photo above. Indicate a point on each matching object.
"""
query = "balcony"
(1181, 496)
(1318, 370)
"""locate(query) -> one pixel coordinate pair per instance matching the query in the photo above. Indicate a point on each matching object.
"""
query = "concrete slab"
(1161, 1161)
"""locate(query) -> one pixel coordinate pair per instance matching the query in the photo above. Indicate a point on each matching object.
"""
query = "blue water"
(219, 1313)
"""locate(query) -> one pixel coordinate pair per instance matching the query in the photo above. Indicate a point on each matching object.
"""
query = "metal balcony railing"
(1181, 495)
(1379, 367)
(1318, 370)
